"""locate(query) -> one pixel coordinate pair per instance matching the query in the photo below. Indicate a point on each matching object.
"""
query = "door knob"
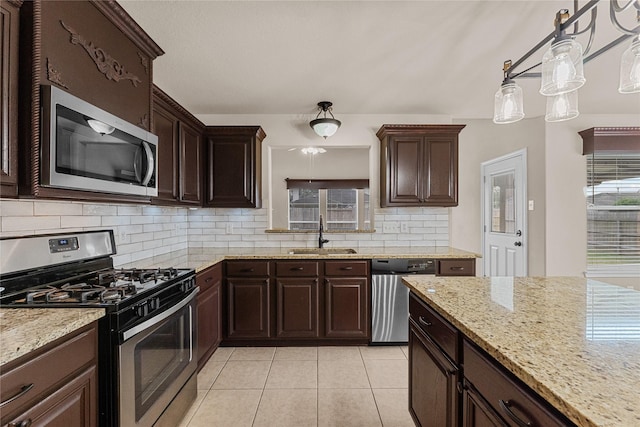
(518, 243)
(519, 233)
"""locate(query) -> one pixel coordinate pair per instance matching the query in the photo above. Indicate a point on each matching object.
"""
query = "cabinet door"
(405, 166)
(72, 405)
(209, 312)
(190, 165)
(165, 127)
(9, 18)
(476, 412)
(440, 171)
(248, 308)
(433, 394)
(347, 307)
(297, 307)
(234, 164)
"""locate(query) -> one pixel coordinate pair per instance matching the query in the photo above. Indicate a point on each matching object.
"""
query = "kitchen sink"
(323, 251)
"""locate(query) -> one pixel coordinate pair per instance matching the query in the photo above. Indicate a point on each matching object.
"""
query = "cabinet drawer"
(346, 268)
(209, 277)
(296, 268)
(247, 268)
(505, 395)
(48, 369)
(456, 267)
(443, 333)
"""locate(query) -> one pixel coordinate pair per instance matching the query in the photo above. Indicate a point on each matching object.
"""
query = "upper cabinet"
(234, 173)
(92, 50)
(180, 159)
(419, 165)
(9, 21)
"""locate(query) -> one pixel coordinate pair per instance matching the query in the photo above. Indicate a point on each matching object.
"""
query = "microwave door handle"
(150, 163)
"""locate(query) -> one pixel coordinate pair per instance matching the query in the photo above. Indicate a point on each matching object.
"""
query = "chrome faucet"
(321, 240)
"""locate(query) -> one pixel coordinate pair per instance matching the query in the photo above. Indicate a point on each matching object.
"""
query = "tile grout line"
(375, 402)
(255, 414)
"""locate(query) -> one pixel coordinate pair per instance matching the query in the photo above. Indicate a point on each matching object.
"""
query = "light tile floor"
(303, 386)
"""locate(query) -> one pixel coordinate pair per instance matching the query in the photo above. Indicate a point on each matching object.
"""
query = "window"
(613, 214)
(343, 204)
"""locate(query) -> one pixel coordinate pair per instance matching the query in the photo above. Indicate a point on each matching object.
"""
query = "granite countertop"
(575, 341)
(202, 258)
(25, 330)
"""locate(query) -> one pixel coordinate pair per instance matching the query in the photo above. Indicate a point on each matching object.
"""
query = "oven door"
(157, 358)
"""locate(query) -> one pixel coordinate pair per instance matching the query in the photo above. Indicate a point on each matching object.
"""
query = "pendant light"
(325, 127)
(562, 107)
(630, 68)
(562, 67)
(508, 105)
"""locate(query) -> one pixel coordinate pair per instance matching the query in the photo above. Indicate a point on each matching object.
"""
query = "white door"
(504, 196)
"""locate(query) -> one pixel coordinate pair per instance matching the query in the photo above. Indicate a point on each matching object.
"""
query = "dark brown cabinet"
(234, 166)
(347, 301)
(180, 147)
(433, 368)
(304, 301)
(248, 299)
(456, 267)
(60, 397)
(503, 399)
(209, 312)
(9, 33)
(419, 165)
(297, 299)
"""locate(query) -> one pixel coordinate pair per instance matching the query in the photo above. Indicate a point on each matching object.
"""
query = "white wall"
(482, 140)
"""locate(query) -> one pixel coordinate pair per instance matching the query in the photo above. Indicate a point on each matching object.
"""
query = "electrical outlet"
(404, 227)
(230, 228)
(390, 227)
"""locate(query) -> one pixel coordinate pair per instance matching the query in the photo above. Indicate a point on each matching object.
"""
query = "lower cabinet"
(55, 385)
(454, 383)
(297, 300)
(209, 312)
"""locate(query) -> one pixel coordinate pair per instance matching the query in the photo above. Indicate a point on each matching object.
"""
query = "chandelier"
(325, 127)
(562, 65)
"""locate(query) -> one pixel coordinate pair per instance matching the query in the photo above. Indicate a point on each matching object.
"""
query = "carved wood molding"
(418, 129)
(54, 75)
(107, 65)
(144, 61)
(125, 23)
(17, 3)
(144, 122)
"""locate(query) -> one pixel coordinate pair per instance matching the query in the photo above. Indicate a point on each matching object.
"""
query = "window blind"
(613, 214)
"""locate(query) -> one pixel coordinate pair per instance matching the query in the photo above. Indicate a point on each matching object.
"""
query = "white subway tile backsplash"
(79, 221)
(56, 208)
(15, 208)
(30, 223)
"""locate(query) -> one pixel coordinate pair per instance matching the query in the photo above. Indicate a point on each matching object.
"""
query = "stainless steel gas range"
(147, 339)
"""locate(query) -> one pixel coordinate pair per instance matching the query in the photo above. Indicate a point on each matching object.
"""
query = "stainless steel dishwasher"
(390, 298)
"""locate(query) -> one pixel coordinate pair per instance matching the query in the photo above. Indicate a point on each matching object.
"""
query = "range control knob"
(141, 310)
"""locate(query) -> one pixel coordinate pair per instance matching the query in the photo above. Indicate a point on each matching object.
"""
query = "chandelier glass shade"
(325, 126)
(562, 68)
(630, 68)
(508, 105)
(562, 107)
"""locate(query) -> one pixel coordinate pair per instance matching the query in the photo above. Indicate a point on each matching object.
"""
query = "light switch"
(530, 205)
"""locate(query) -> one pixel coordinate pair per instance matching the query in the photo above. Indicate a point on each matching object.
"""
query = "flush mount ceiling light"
(324, 126)
(562, 64)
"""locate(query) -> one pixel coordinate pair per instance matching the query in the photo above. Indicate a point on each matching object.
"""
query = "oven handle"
(160, 317)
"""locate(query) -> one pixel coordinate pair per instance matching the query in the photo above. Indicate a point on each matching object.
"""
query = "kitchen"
(557, 225)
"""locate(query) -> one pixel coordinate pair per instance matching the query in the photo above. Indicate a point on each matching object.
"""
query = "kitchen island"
(574, 341)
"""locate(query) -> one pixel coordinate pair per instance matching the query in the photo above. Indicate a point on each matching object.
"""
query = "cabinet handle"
(506, 407)
(456, 268)
(296, 268)
(208, 279)
(23, 423)
(247, 270)
(24, 390)
(424, 322)
(348, 268)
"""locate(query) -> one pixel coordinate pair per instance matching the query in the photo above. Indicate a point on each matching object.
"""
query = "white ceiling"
(367, 57)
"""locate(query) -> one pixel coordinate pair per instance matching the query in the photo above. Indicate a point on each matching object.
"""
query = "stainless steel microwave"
(86, 148)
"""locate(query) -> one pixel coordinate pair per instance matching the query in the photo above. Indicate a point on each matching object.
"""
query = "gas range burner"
(79, 293)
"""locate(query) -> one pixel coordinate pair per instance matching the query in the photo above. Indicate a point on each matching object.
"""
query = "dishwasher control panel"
(403, 266)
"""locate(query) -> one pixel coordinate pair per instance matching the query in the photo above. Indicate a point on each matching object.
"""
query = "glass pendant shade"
(630, 68)
(562, 107)
(508, 105)
(562, 68)
(325, 127)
